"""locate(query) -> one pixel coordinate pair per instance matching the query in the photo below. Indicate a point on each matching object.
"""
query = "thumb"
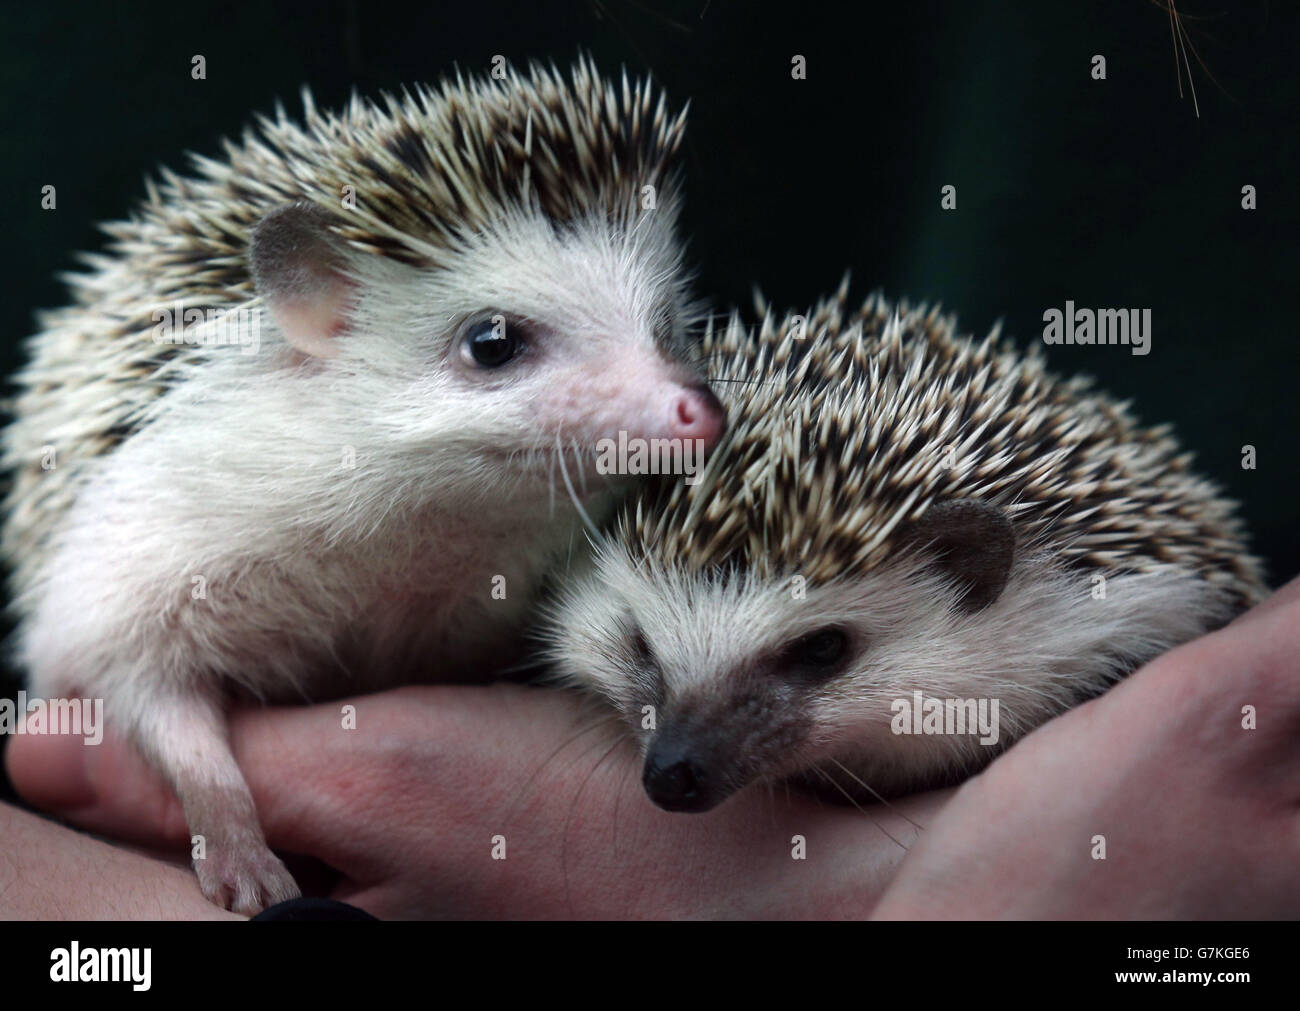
(109, 788)
(106, 787)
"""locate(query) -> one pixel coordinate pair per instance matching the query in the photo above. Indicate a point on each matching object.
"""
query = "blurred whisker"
(870, 790)
(850, 798)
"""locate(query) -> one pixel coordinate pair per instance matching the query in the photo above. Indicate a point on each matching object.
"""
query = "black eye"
(818, 654)
(491, 343)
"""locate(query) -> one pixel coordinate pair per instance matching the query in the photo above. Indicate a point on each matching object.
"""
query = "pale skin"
(1201, 817)
(407, 807)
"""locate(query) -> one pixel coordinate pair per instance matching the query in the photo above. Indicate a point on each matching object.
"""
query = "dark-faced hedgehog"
(909, 549)
(299, 433)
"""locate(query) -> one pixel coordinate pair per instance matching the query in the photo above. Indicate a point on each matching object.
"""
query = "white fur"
(1043, 645)
(318, 578)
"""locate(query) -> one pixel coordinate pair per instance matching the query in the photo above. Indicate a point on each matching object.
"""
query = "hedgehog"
(910, 548)
(298, 434)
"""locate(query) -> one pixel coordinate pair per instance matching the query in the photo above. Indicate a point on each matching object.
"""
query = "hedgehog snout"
(638, 398)
(697, 414)
(677, 775)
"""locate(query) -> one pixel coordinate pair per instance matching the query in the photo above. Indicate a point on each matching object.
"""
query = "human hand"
(1200, 817)
(407, 805)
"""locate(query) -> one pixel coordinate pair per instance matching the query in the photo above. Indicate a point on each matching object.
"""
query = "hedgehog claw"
(245, 878)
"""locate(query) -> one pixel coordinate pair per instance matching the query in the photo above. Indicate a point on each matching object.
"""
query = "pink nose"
(697, 414)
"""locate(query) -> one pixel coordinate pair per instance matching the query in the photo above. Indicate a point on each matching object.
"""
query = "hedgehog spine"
(894, 508)
(333, 512)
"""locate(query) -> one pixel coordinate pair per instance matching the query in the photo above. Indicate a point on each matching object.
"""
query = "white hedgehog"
(451, 288)
(894, 509)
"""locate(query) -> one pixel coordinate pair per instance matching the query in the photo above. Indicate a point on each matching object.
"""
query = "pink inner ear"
(312, 321)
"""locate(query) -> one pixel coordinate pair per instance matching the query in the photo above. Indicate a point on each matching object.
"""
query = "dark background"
(1110, 193)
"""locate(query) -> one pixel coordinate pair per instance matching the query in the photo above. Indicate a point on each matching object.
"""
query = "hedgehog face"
(572, 338)
(728, 680)
(730, 677)
(539, 341)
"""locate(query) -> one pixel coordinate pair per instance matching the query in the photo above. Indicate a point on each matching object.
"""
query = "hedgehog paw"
(245, 878)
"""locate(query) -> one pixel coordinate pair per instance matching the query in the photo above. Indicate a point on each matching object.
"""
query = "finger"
(107, 787)
(286, 754)
(307, 772)
(1286, 596)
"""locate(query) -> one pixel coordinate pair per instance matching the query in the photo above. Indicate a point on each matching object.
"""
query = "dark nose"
(675, 780)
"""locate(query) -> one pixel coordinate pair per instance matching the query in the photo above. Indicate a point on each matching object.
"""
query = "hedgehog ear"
(297, 268)
(973, 542)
